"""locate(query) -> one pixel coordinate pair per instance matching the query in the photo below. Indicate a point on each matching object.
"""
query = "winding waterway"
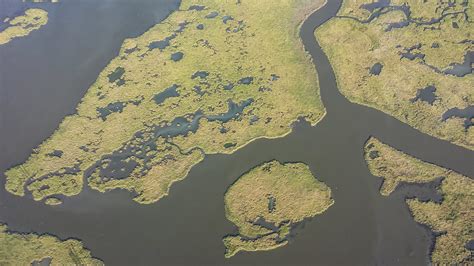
(361, 228)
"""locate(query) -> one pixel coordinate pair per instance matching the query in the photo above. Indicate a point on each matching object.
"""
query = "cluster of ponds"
(462, 69)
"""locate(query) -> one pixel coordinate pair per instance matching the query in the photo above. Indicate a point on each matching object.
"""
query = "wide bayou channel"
(44, 76)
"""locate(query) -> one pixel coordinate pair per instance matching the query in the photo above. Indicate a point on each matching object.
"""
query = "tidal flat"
(229, 83)
(268, 201)
(418, 45)
(33, 249)
(22, 25)
(450, 220)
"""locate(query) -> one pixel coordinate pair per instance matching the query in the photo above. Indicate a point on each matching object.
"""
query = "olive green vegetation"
(452, 220)
(354, 47)
(396, 167)
(234, 244)
(251, 44)
(24, 249)
(268, 200)
(20, 26)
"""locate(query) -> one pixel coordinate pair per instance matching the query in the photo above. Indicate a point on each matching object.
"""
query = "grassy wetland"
(396, 167)
(451, 220)
(409, 59)
(28, 249)
(267, 201)
(21, 26)
(212, 68)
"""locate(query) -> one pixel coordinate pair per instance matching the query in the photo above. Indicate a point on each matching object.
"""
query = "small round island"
(268, 201)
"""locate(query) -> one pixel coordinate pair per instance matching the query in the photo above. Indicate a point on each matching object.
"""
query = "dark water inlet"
(116, 74)
(426, 94)
(371, 7)
(187, 226)
(227, 18)
(116, 107)
(466, 113)
(464, 68)
(196, 7)
(381, 7)
(412, 56)
(246, 80)
(200, 74)
(213, 14)
(177, 56)
(233, 112)
(169, 92)
(119, 165)
(43, 262)
(271, 203)
(376, 69)
(162, 44)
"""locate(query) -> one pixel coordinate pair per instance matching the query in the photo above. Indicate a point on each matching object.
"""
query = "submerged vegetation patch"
(268, 201)
(451, 219)
(421, 44)
(150, 117)
(23, 25)
(27, 249)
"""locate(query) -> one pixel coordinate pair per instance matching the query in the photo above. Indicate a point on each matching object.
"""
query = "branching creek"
(187, 227)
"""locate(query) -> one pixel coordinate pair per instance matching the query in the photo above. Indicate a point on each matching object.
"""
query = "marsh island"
(22, 25)
(268, 201)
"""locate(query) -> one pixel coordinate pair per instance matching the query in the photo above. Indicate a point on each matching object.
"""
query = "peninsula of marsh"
(201, 72)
